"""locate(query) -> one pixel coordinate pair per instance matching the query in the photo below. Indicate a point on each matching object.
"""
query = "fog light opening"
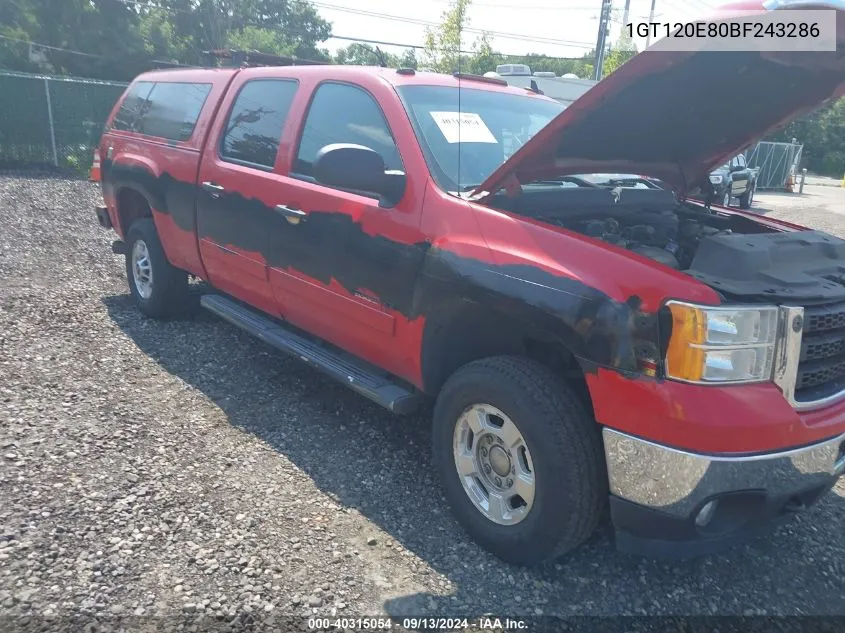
(705, 515)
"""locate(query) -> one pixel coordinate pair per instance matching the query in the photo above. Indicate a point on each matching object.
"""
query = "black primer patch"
(412, 278)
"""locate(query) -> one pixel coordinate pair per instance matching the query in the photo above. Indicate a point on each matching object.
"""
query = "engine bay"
(734, 254)
(650, 222)
(663, 236)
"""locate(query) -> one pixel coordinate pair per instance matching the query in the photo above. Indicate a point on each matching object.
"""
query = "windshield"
(467, 134)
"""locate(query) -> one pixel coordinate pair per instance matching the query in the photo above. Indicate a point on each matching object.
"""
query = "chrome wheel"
(142, 269)
(727, 201)
(494, 464)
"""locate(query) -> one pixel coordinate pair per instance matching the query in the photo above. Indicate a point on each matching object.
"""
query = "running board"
(345, 368)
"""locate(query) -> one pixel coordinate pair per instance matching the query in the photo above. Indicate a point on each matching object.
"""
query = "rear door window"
(133, 105)
(173, 110)
(254, 128)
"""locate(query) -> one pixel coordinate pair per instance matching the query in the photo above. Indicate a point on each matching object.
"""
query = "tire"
(166, 294)
(747, 199)
(726, 199)
(566, 457)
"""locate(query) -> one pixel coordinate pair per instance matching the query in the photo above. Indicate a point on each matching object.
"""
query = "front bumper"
(671, 502)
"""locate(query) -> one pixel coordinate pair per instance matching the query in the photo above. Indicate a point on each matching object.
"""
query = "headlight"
(721, 344)
(716, 180)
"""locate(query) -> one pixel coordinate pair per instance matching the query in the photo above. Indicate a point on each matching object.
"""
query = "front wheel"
(158, 289)
(520, 459)
(726, 201)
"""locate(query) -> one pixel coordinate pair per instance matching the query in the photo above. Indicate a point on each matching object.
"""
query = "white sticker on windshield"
(463, 127)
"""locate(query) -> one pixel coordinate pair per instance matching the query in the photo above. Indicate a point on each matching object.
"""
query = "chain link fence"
(776, 161)
(53, 121)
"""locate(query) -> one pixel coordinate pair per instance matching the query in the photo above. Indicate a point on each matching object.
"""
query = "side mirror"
(357, 168)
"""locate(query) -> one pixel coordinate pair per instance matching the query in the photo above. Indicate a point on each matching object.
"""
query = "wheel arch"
(460, 331)
(132, 204)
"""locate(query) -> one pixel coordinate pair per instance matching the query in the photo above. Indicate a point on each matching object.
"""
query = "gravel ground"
(185, 470)
(820, 207)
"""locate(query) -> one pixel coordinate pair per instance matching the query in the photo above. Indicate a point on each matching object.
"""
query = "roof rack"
(241, 59)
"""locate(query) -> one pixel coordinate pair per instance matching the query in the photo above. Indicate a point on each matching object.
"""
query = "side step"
(345, 368)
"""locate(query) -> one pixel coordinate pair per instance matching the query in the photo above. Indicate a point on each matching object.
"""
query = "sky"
(560, 28)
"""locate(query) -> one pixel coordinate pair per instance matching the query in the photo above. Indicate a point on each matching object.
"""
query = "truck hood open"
(676, 116)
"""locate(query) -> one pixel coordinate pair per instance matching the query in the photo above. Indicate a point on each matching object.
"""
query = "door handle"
(294, 216)
(214, 189)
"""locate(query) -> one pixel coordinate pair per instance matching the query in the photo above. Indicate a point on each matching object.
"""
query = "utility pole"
(650, 20)
(601, 40)
(626, 12)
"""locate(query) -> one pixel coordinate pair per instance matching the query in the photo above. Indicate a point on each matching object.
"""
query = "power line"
(338, 37)
(147, 5)
(525, 7)
(398, 18)
(84, 54)
(704, 5)
(698, 7)
(52, 48)
(331, 36)
(502, 34)
(468, 52)
(634, 19)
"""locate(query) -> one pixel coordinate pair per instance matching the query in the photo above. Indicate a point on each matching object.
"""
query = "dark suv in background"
(735, 179)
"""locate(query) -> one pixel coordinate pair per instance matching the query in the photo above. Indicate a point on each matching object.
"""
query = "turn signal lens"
(721, 344)
(685, 357)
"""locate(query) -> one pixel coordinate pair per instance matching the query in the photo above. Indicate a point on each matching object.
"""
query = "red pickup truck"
(421, 236)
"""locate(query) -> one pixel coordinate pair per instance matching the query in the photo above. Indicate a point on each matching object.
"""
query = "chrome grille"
(821, 369)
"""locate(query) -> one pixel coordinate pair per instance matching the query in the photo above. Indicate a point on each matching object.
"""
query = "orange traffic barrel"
(94, 174)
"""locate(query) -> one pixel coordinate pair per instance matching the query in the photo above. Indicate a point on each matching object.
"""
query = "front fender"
(597, 329)
(603, 300)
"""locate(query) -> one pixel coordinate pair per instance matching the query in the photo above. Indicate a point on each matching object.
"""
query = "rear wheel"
(520, 459)
(747, 199)
(159, 289)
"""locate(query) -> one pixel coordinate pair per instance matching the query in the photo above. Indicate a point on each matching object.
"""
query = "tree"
(823, 135)
(483, 59)
(409, 59)
(443, 45)
(619, 53)
(122, 39)
(365, 55)
(98, 27)
(286, 27)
